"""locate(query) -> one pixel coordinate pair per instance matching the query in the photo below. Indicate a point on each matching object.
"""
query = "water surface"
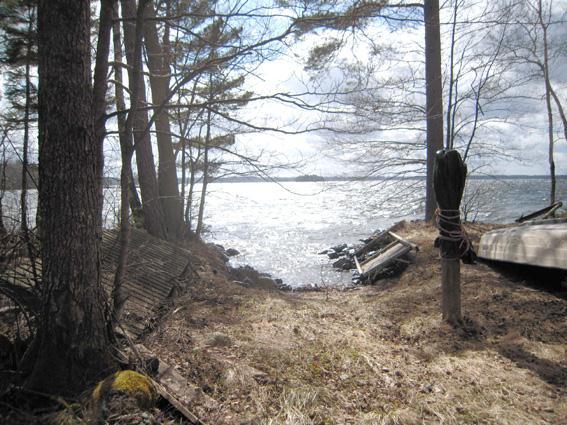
(279, 229)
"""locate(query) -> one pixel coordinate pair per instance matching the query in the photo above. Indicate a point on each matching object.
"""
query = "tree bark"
(167, 169)
(3, 231)
(72, 338)
(189, 207)
(125, 142)
(25, 147)
(153, 213)
(434, 99)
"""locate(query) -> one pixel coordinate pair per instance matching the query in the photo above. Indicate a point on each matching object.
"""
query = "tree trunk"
(72, 338)
(548, 90)
(153, 213)
(167, 169)
(434, 102)
(25, 150)
(450, 123)
(182, 142)
(118, 297)
(191, 191)
(199, 228)
(25, 147)
(561, 111)
(125, 142)
(101, 83)
(3, 231)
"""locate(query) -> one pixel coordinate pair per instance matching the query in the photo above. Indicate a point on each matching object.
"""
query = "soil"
(375, 354)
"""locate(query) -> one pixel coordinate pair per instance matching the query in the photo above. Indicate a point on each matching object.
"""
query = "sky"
(518, 127)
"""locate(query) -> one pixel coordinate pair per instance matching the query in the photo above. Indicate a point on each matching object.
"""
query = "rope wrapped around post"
(446, 223)
(449, 176)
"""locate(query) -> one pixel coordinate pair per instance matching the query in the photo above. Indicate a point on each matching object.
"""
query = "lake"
(280, 228)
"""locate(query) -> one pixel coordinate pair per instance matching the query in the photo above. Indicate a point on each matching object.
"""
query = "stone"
(231, 252)
(344, 264)
(339, 248)
(220, 251)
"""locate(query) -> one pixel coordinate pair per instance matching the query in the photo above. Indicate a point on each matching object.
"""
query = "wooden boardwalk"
(155, 267)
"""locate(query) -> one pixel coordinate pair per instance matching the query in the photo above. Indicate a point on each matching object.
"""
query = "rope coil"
(447, 217)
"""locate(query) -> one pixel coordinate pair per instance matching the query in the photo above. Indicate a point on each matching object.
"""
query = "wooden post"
(451, 288)
(449, 179)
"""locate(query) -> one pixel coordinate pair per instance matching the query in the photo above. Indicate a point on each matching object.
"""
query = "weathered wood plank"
(357, 263)
(403, 241)
(384, 258)
(376, 240)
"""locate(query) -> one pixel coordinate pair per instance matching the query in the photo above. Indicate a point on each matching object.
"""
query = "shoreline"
(376, 354)
(369, 354)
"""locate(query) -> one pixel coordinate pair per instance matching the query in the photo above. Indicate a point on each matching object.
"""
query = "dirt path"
(374, 355)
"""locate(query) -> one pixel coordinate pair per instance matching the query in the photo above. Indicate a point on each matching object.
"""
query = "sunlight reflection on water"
(280, 231)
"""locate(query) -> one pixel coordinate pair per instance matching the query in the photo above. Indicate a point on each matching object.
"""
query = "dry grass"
(376, 355)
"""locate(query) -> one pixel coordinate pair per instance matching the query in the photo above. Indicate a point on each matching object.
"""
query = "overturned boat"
(540, 243)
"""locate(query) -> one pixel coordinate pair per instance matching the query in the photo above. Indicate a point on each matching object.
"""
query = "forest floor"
(374, 354)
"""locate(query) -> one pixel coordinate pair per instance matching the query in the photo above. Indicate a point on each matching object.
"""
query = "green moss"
(127, 382)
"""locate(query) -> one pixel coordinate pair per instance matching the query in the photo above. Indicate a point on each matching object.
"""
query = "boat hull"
(539, 244)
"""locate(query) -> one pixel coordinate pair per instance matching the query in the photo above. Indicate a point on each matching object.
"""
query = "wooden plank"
(387, 256)
(379, 252)
(370, 245)
(177, 396)
(357, 265)
(402, 240)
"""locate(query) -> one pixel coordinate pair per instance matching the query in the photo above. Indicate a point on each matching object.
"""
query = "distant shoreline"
(255, 179)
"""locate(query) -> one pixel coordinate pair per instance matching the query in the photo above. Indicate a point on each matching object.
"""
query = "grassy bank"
(373, 355)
